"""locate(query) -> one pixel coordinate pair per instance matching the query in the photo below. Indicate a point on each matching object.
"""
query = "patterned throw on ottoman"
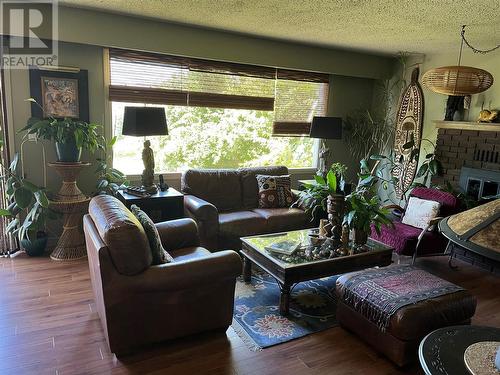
(393, 308)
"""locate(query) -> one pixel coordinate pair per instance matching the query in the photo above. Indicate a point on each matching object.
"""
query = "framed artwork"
(60, 94)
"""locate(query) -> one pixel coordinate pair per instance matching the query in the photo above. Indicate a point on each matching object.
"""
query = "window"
(219, 115)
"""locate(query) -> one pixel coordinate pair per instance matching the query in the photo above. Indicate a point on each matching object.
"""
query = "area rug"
(256, 310)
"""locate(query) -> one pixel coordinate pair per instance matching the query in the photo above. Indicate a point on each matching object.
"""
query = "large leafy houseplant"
(109, 179)
(314, 196)
(386, 166)
(363, 207)
(28, 210)
(70, 135)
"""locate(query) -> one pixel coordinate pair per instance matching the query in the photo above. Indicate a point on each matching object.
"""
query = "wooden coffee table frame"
(288, 277)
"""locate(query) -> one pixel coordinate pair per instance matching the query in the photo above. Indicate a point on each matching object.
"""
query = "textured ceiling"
(383, 26)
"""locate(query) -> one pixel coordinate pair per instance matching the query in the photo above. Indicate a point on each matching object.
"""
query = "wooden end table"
(288, 274)
(162, 206)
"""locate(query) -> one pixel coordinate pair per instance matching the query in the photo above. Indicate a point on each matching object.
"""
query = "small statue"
(343, 250)
(325, 228)
(149, 167)
(487, 116)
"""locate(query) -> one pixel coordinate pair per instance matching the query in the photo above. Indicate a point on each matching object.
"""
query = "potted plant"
(109, 179)
(70, 135)
(429, 167)
(363, 207)
(29, 210)
(323, 192)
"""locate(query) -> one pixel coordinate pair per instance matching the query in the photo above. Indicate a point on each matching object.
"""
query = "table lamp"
(142, 122)
(325, 128)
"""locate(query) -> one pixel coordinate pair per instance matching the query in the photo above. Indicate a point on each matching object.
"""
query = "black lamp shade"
(326, 128)
(144, 121)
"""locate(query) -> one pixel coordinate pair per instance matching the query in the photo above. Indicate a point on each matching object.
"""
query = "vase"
(360, 237)
(35, 247)
(68, 152)
(335, 209)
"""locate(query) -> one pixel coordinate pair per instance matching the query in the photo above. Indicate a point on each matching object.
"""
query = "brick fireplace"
(476, 149)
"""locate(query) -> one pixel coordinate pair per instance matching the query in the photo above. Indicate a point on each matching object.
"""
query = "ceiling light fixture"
(459, 80)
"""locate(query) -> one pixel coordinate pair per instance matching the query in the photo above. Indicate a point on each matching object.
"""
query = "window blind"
(299, 96)
(294, 96)
(172, 80)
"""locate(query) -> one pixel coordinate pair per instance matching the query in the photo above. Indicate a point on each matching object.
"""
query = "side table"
(162, 206)
(441, 352)
(73, 204)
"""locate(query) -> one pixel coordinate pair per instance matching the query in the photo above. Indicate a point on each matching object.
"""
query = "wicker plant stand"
(73, 204)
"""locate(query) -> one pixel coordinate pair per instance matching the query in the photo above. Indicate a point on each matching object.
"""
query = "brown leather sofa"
(141, 304)
(224, 203)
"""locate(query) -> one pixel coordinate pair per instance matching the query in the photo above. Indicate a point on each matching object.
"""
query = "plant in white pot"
(70, 135)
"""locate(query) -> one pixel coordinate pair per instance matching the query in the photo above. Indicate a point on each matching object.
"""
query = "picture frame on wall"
(59, 93)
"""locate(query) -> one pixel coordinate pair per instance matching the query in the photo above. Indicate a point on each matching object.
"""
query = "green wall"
(347, 94)
(82, 56)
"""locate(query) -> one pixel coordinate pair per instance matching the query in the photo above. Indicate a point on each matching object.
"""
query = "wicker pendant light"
(458, 80)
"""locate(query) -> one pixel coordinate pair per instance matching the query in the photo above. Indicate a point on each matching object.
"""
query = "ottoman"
(393, 308)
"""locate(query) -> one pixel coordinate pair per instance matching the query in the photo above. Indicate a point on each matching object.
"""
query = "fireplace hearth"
(470, 159)
(479, 184)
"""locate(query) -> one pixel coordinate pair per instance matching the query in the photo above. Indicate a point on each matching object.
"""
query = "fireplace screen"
(480, 184)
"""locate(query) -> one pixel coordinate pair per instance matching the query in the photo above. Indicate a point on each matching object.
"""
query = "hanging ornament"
(409, 122)
(459, 80)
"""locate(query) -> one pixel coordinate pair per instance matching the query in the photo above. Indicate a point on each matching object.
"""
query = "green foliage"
(66, 130)
(109, 179)
(363, 206)
(362, 211)
(391, 164)
(202, 137)
(313, 199)
(339, 169)
(430, 167)
(29, 208)
(367, 131)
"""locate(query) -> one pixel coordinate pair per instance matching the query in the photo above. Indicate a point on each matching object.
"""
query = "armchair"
(139, 303)
(412, 241)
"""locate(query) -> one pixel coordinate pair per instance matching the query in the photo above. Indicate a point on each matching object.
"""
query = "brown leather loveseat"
(141, 304)
(224, 203)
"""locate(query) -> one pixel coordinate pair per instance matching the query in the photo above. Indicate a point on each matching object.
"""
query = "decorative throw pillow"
(274, 191)
(419, 212)
(159, 254)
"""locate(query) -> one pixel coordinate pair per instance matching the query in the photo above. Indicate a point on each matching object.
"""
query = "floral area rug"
(256, 310)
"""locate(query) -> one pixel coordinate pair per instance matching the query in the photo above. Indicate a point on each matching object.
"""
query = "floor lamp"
(325, 128)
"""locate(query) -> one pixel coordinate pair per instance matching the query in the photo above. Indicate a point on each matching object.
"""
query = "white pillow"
(419, 212)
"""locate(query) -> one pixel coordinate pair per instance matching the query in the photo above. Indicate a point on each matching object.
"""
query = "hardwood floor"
(49, 325)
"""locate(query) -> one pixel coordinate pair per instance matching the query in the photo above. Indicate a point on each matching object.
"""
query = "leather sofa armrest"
(201, 209)
(176, 234)
(188, 274)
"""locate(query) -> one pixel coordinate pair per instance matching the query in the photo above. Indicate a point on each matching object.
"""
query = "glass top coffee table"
(305, 264)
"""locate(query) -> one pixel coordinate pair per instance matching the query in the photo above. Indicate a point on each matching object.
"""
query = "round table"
(73, 204)
(442, 351)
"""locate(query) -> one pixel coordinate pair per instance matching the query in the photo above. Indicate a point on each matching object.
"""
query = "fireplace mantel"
(464, 125)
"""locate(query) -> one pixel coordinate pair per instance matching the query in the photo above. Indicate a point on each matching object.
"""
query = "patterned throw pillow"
(274, 191)
(419, 212)
(159, 254)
